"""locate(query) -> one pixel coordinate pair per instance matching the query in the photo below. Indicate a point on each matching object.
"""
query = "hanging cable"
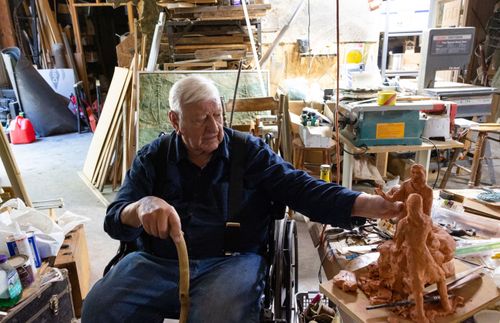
(437, 158)
(337, 94)
(308, 25)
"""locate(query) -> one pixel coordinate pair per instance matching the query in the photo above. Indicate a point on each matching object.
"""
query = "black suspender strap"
(232, 234)
(237, 160)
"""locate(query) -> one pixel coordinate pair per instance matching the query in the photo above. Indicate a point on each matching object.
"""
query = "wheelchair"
(281, 283)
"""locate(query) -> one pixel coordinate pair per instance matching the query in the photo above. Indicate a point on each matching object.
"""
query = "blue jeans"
(143, 288)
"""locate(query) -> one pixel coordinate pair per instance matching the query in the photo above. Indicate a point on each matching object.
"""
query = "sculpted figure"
(411, 237)
(417, 183)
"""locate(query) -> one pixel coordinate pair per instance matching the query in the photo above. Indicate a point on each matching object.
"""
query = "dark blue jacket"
(200, 196)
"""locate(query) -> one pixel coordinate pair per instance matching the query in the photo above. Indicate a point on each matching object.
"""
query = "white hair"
(192, 89)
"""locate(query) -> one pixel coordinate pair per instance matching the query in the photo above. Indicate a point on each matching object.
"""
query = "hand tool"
(429, 299)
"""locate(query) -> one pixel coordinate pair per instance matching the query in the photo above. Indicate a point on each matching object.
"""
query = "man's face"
(200, 125)
(416, 174)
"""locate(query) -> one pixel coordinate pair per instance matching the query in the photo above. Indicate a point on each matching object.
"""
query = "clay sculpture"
(417, 183)
(421, 253)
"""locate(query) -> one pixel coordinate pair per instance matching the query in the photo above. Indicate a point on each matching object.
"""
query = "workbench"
(423, 155)
(478, 295)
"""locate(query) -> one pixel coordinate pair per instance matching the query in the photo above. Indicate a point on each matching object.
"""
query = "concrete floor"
(50, 166)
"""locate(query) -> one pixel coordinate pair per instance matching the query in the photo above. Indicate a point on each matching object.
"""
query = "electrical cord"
(437, 158)
(320, 278)
(363, 146)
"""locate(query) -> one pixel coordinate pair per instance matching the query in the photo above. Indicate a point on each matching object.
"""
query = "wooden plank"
(112, 103)
(171, 6)
(253, 104)
(7, 32)
(91, 187)
(110, 142)
(112, 147)
(75, 258)
(403, 148)
(69, 54)
(221, 9)
(182, 64)
(218, 53)
(381, 163)
(12, 170)
(209, 40)
(212, 46)
(199, 1)
(130, 17)
(478, 295)
(51, 20)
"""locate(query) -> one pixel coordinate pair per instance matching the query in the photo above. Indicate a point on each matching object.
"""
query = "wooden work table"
(423, 155)
(478, 295)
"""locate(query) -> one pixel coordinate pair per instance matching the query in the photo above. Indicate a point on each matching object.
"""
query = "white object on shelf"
(316, 137)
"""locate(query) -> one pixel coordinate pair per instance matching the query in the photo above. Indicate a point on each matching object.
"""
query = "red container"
(21, 131)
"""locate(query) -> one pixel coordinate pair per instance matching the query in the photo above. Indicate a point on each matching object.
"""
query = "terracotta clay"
(417, 183)
(421, 253)
(411, 238)
(346, 280)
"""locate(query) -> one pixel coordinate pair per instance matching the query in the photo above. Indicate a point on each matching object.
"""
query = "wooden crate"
(74, 257)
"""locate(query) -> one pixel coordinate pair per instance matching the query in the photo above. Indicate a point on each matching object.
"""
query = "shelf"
(401, 73)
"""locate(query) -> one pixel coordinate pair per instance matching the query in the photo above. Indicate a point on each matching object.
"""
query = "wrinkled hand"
(158, 218)
(378, 191)
(377, 207)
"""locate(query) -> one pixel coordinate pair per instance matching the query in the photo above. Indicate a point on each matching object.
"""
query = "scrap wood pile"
(113, 145)
(203, 34)
(53, 49)
(211, 10)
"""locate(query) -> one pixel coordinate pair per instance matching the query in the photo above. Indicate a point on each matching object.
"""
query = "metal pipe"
(235, 93)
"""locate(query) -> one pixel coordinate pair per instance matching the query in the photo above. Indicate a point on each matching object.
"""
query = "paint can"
(386, 97)
(18, 244)
(325, 173)
(34, 249)
(22, 264)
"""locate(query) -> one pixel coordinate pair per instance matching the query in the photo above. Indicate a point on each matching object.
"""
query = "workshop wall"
(357, 24)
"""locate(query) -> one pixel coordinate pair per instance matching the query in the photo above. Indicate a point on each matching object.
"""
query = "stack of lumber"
(209, 10)
(51, 35)
(205, 35)
(113, 145)
(219, 46)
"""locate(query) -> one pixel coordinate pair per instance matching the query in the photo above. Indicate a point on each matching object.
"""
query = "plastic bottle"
(21, 130)
(10, 284)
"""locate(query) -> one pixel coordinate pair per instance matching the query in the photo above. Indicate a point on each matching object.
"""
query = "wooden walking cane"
(183, 279)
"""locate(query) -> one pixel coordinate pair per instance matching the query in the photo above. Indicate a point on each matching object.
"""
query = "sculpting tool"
(430, 299)
(452, 279)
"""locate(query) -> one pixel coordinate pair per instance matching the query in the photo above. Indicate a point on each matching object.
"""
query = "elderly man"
(185, 190)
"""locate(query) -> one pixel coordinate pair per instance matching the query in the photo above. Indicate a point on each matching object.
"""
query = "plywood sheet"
(155, 87)
(120, 80)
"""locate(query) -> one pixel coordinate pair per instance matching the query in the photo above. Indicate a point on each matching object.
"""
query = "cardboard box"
(74, 256)
(317, 137)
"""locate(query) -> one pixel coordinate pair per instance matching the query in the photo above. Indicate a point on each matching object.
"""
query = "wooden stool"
(475, 171)
(299, 150)
(482, 136)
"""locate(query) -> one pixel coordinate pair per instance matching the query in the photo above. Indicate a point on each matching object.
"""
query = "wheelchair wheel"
(285, 271)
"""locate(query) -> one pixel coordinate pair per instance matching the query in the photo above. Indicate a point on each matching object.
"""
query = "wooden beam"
(12, 170)
(79, 54)
(130, 17)
(7, 32)
(254, 104)
(51, 21)
(97, 4)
